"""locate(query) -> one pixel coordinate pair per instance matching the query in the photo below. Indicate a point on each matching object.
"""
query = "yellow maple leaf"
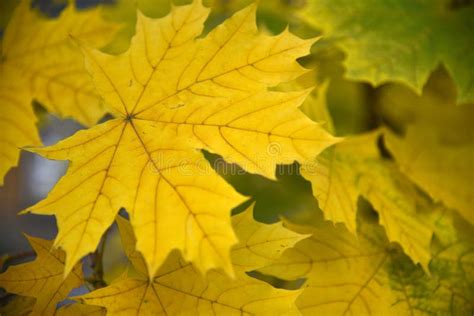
(42, 278)
(178, 288)
(355, 168)
(18, 306)
(80, 310)
(174, 93)
(39, 61)
(259, 244)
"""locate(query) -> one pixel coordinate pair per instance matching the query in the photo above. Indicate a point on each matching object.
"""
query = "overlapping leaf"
(163, 185)
(178, 288)
(442, 177)
(207, 96)
(259, 245)
(434, 143)
(39, 60)
(370, 276)
(355, 168)
(42, 278)
(453, 261)
(315, 106)
(81, 310)
(173, 94)
(401, 40)
(18, 306)
(442, 167)
(17, 120)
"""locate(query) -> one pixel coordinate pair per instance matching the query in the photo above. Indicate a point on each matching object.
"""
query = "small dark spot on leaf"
(177, 106)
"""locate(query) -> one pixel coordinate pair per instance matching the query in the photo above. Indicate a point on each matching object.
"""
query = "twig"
(17, 256)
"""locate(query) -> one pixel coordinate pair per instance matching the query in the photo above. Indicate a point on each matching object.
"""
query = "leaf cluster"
(378, 222)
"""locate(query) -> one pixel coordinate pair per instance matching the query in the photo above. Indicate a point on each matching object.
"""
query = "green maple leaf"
(400, 40)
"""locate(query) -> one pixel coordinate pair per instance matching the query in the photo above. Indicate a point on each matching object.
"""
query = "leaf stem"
(97, 265)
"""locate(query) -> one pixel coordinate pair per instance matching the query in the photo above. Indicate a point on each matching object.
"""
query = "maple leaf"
(18, 306)
(453, 260)
(400, 41)
(416, 154)
(17, 121)
(175, 93)
(315, 107)
(42, 278)
(259, 245)
(39, 61)
(434, 142)
(355, 168)
(81, 310)
(369, 276)
(178, 288)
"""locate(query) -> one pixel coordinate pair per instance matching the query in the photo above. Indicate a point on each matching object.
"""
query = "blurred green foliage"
(402, 41)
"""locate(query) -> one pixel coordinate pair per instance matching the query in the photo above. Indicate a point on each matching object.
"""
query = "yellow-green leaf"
(432, 140)
(344, 276)
(174, 93)
(42, 278)
(453, 260)
(355, 168)
(444, 170)
(369, 276)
